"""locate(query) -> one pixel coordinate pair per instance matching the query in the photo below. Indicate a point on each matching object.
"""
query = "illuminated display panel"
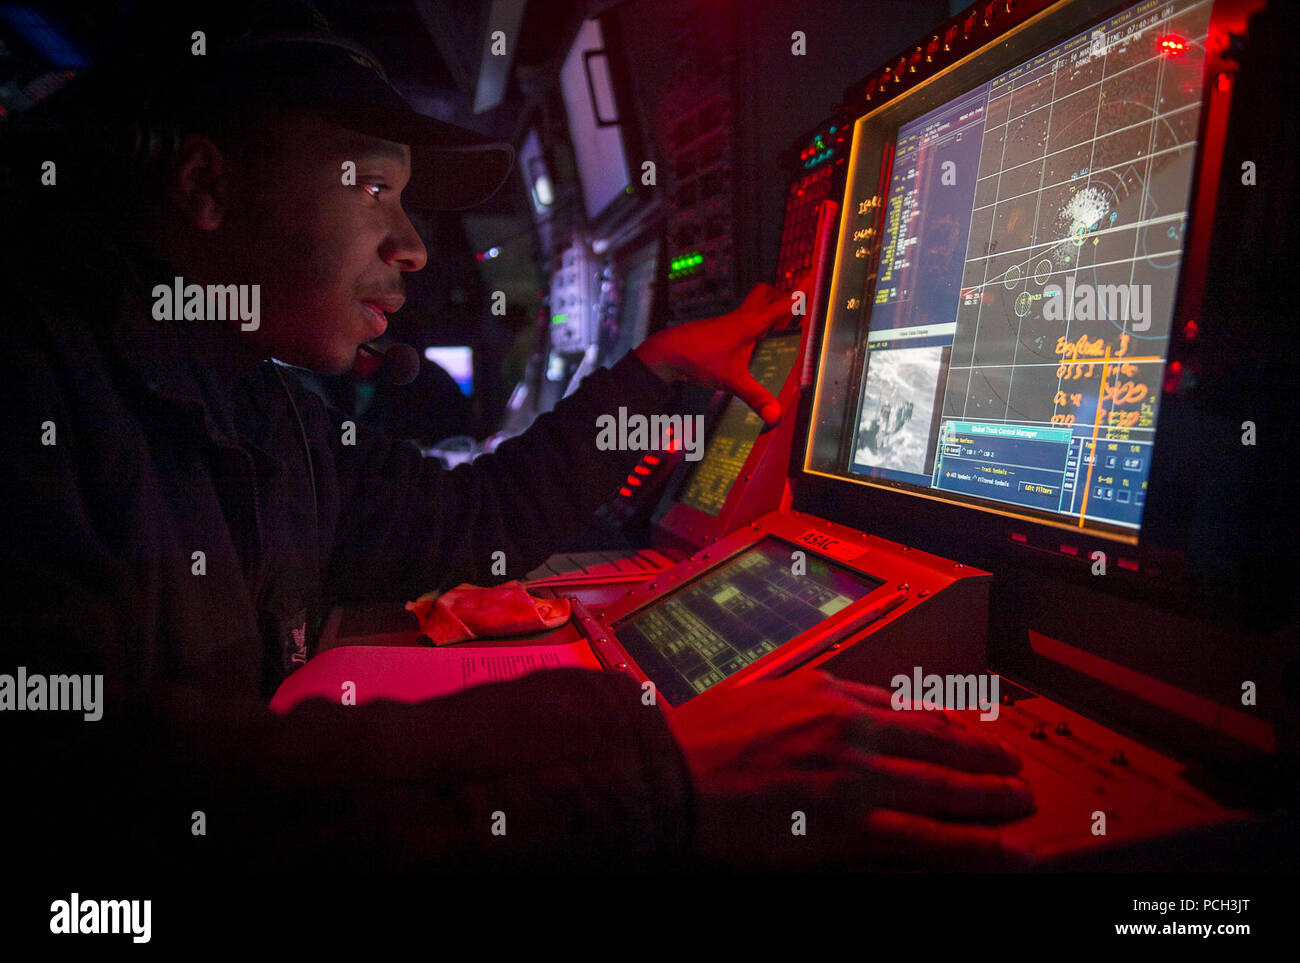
(693, 638)
(738, 429)
(1008, 349)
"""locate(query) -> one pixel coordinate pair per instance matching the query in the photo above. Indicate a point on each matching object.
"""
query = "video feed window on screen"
(693, 638)
(1007, 347)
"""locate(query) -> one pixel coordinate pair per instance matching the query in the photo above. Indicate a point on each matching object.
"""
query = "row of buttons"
(910, 62)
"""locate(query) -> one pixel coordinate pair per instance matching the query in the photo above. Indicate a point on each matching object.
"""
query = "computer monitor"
(457, 361)
(1009, 263)
(588, 90)
(711, 628)
(629, 324)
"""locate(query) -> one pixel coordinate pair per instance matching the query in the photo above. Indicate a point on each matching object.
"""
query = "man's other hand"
(714, 352)
(876, 787)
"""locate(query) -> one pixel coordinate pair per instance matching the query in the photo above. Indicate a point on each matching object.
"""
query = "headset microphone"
(399, 365)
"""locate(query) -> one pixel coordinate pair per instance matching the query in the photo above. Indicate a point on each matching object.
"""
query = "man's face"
(328, 255)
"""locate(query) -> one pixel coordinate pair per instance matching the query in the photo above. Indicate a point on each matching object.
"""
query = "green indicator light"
(684, 265)
(559, 318)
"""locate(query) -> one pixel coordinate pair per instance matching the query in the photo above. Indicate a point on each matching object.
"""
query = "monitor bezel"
(1152, 559)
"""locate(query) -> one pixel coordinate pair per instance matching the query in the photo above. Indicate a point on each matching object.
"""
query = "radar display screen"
(1031, 238)
(698, 635)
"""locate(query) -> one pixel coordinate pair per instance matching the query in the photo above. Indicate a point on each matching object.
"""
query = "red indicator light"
(651, 459)
(1070, 549)
(625, 492)
(634, 481)
(1190, 330)
(1017, 537)
(1174, 376)
(1223, 82)
(1129, 564)
(641, 470)
(1172, 45)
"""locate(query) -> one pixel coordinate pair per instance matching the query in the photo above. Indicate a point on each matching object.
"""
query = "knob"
(1038, 732)
(1062, 729)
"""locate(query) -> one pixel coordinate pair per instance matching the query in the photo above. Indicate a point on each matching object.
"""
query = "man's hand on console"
(715, 352)
(877, 787)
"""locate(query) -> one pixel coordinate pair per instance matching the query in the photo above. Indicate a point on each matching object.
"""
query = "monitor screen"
(1003, 347)
(457, 362)
(588, 98)
(628, 327)
(707, 630)
(738, 428)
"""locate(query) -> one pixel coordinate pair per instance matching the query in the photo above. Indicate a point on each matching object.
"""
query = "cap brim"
(454, 178)
(452, 168)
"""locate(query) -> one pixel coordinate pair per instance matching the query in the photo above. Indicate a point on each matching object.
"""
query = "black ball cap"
(451, 167)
